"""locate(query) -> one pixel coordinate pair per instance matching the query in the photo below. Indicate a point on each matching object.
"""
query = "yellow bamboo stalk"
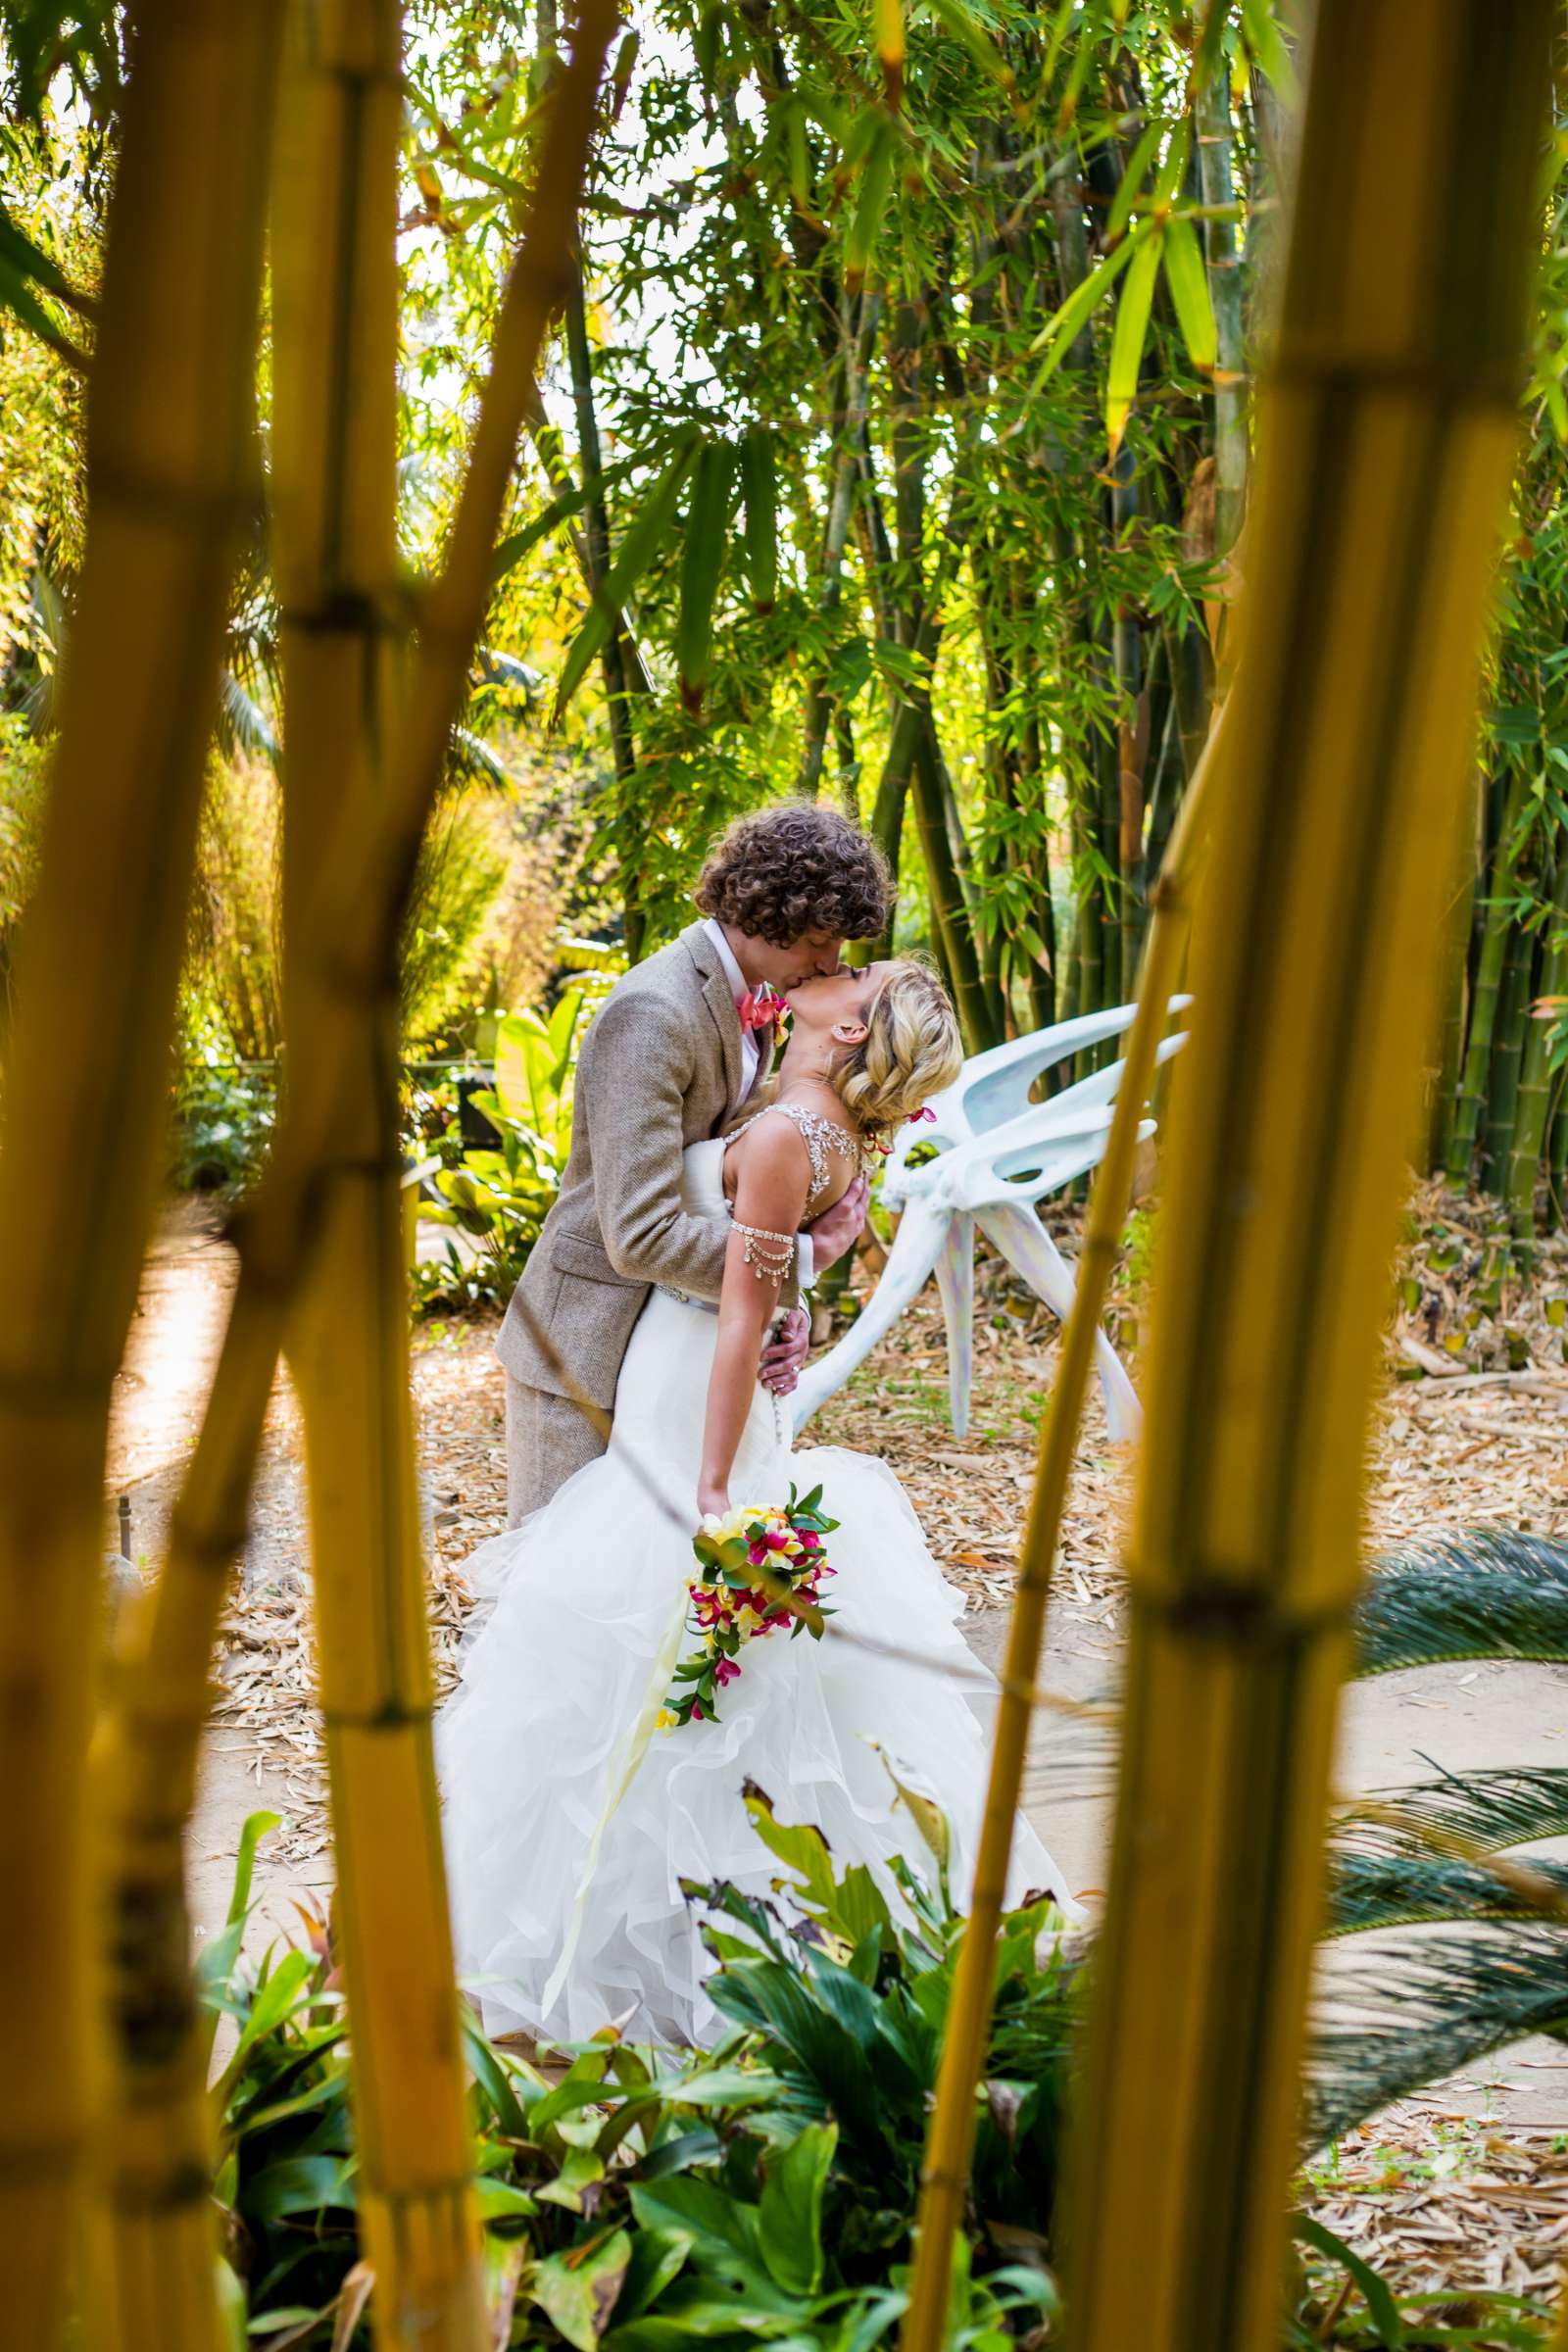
(335, 541)
(1388, 438)
(171, 472)
(949, 2146)
(160, 1694)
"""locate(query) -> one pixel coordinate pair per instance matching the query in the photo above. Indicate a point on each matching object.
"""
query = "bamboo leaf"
(1265, 44)
(799, 160)
(1210, 44)
(1188, 287)
(876, 180)
(1055, 337)
(1127, 338)
(18, 297)
(702, 563)
(1173, 169)
(1131, 182)
(955, 18)
(567, 503)
(760, 488)
(637, 548)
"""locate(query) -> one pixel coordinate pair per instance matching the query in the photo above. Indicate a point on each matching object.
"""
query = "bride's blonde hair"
(911, 1052)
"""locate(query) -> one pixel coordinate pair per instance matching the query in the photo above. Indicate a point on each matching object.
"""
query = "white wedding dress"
(533, 1742)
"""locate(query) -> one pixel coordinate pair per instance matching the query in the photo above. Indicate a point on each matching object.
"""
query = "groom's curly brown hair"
(797, 868)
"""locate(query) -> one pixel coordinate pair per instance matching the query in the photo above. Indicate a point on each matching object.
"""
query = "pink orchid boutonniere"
(765, 1009)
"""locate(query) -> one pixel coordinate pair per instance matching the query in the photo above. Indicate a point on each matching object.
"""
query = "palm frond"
(470, 761)
(1479, 1593)
(1412, 2016)
(1508, 1805)
(243, 726)
(1399, 1891)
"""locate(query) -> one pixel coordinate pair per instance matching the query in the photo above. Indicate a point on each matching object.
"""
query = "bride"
(566, 1877)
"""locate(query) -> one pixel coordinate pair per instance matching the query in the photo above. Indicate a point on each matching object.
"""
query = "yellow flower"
(666, 1721)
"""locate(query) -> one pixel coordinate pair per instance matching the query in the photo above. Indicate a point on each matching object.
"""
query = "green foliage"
(22, 796)
(224, 1113)
(634, 2198)
(502, 1194)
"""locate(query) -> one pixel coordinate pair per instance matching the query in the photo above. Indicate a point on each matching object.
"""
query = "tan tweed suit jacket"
(659, 1068)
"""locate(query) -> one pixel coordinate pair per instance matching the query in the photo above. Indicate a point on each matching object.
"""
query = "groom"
(673, 1053)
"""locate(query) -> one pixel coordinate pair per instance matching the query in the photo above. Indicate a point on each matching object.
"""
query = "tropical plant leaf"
(1410, 2015)
(577, 2290)
(791, 2211)
(1380, 2309)
(1482, 1592)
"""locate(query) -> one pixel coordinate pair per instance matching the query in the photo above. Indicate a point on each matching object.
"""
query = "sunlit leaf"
(1127, 338)
(1188, 280)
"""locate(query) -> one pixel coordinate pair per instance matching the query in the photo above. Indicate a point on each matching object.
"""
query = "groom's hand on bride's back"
(840, 1227)
(785, 1353)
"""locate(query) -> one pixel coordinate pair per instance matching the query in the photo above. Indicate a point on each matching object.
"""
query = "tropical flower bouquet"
(761, 1567)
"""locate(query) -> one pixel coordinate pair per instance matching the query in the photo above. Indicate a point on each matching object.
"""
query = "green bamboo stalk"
(1388, 446)
(171, 476)
(1223, 268)
(613, 661)
(1459, 920)
(1532, 1111)
(859, 339)
(1494, 935)
(1507, 1056)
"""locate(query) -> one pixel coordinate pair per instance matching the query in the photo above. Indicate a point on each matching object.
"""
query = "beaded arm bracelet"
(770, 1256)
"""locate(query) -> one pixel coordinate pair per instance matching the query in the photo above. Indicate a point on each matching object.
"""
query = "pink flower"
(727, 1671)
(756, 1553)
(697, 1711)
(810, 1542)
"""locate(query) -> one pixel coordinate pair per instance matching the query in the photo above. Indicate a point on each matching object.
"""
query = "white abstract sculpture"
(997, 1153)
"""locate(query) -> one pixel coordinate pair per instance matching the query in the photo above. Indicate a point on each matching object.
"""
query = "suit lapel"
(720, 1005)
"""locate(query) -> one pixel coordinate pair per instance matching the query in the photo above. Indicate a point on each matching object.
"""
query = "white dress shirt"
(751, 1057)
